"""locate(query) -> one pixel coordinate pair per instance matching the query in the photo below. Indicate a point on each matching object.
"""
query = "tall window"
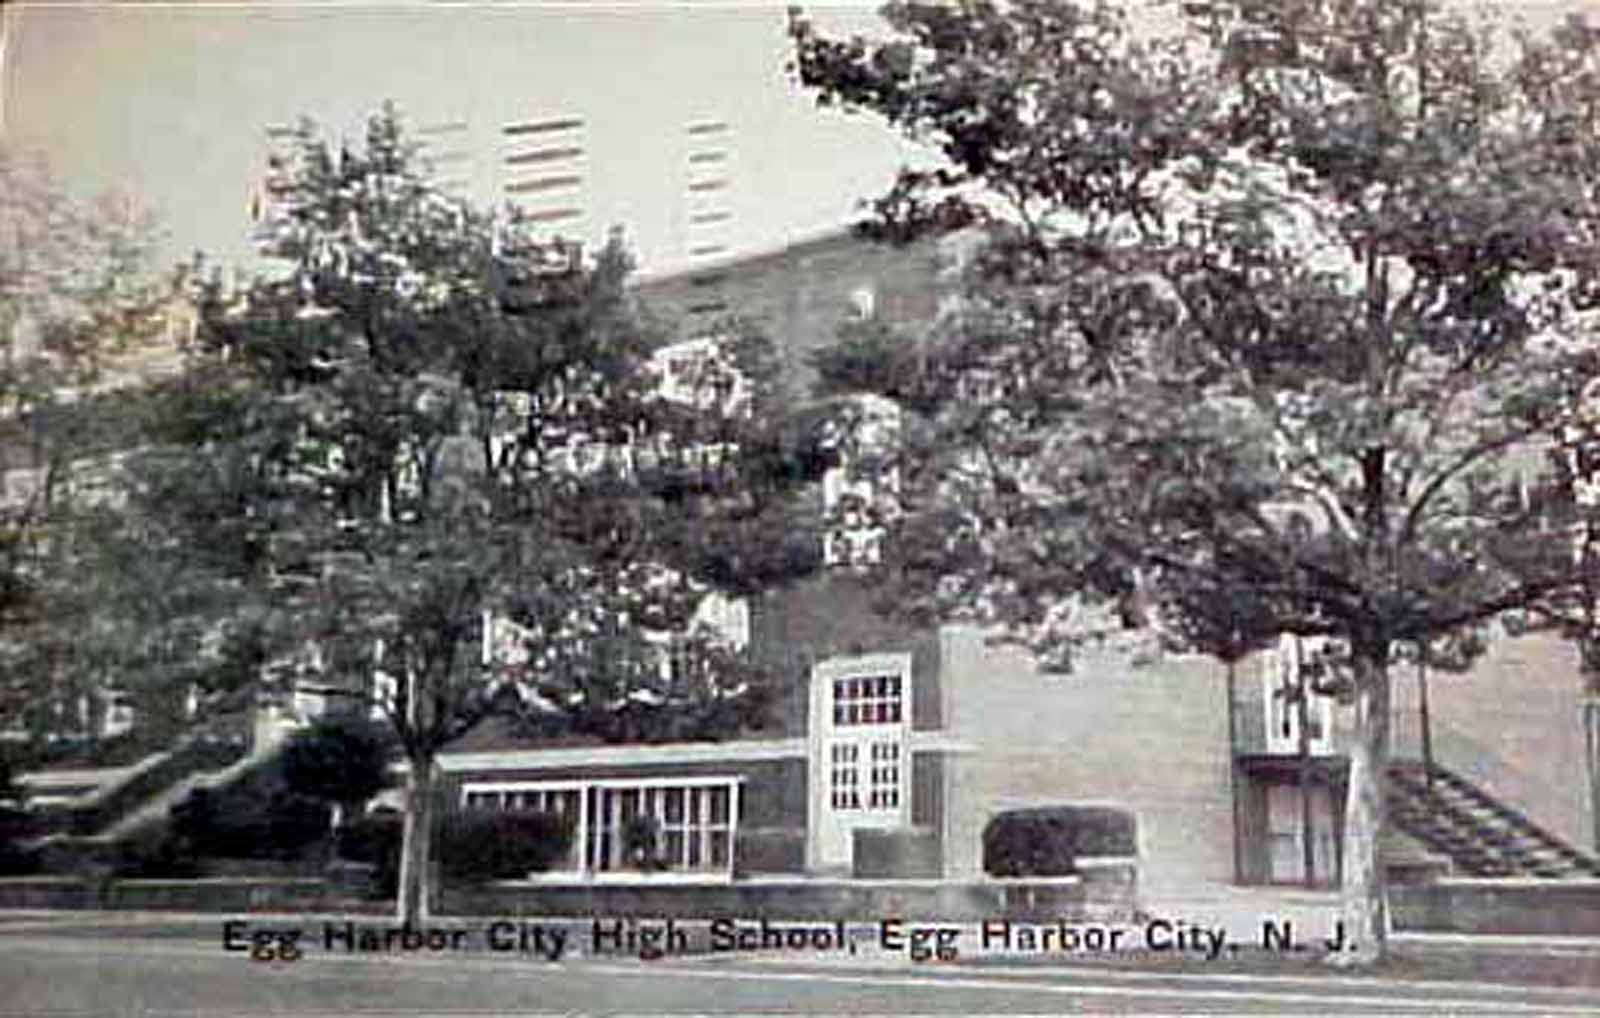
(845, 776)
(863, 761)
(883, 783)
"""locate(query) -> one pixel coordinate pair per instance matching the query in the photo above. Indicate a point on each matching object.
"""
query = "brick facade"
(988, 732)
(800, 294)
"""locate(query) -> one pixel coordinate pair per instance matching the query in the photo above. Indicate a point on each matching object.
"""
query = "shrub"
(339, 760)
(15, 861)
(1047, 842)
(153, 853)
(476, 847)
(282, 827)
(375, 839)
(641, 843)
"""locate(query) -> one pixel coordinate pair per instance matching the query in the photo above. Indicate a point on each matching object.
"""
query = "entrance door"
(860, 763)
(1286, 835)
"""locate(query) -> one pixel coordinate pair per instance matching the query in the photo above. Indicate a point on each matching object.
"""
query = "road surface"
(54, 967)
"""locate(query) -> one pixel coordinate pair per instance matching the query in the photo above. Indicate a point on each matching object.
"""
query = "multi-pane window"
(863, 764)
(883, 785)
(880, 790)
(1283, 685)
(691, 825)
(845, 776)
(684, 825)
(562, 801)
(867, 700)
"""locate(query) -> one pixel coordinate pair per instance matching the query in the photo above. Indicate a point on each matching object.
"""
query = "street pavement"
(55, 965)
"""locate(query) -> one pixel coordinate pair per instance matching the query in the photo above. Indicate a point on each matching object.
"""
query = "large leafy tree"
(419, 424)
(80, 312)
(1560, 72)
(1276, 299)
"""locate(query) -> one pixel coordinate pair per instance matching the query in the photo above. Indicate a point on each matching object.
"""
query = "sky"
(170, 103)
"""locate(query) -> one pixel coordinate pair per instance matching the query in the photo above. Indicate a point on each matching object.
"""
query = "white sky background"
(171, 102)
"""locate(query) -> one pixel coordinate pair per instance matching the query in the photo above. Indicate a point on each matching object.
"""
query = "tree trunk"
(416, 856)
(1365, 902)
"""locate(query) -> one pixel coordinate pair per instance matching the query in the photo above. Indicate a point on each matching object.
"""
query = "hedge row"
(1048, 842)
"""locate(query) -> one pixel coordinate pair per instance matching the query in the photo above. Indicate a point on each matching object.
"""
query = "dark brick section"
(927, 790)
(1539, 908)
(769, 850)
(837, 615)
(773, 794)
(898, 854)
(49, 892)
(803, 293)
(1249, 713)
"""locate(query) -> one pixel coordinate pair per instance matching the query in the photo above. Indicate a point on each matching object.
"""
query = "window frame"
(602, 809)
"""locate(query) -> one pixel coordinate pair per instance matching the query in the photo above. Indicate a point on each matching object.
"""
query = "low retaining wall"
(219, 895)
(1106, 891)
(1455, 905)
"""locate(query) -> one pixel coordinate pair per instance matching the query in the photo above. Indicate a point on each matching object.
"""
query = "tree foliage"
(1276, 310)
(80, 310)
(421, 422)
(343, 761)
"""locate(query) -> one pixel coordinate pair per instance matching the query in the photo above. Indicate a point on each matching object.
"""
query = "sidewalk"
(1247, 915)
(1242, 911)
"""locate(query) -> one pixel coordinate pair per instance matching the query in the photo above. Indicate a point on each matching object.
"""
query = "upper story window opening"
(868, 700)
(864, 303)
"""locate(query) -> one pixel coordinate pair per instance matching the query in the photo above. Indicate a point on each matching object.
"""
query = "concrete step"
(1479, 834)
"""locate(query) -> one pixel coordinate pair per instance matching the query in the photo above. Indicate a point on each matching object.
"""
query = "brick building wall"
(1151, 739)
(834, 615)
(801, 293)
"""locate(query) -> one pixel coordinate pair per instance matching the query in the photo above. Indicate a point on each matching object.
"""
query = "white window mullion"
(614, 799)
(704, 833)
(733, 825)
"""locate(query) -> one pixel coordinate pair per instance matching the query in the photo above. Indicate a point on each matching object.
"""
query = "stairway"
(156, 809)
(1480, 835)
